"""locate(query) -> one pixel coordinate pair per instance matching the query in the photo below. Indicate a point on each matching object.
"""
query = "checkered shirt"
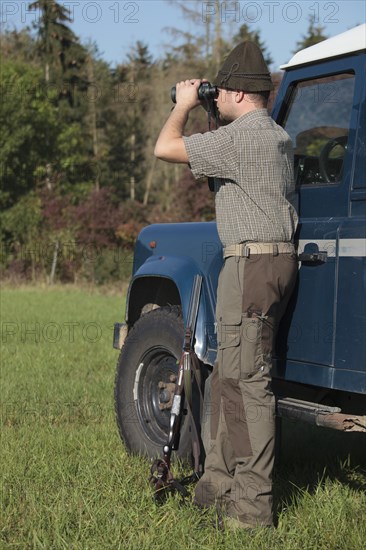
(251, 161)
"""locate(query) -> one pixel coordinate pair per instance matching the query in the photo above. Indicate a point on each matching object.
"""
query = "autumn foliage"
(79, 179)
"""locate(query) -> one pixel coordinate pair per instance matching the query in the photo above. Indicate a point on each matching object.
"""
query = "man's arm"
(170, 145)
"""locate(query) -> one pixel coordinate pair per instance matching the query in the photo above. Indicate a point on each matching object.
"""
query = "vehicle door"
(321, 116)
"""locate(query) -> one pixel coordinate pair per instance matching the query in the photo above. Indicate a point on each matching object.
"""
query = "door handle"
(314, 257)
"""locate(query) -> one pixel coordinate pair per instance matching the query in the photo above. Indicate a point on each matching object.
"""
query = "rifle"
(161, 477)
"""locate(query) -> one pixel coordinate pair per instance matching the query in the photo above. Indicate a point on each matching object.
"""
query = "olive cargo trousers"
(253, 293)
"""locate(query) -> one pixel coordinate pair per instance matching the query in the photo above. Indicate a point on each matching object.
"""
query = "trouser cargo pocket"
(229, 337)
(240, 348)
(251, 350)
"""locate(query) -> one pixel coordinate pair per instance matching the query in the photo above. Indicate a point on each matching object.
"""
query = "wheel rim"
(157, 366)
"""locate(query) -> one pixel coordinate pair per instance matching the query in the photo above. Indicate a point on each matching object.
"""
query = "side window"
(318, 121)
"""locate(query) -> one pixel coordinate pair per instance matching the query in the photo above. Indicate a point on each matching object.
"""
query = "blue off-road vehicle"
(319, 371)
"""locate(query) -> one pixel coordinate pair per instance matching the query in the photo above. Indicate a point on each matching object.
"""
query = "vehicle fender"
(181, 271)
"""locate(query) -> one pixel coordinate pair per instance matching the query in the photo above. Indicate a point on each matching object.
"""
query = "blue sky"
(115, 25)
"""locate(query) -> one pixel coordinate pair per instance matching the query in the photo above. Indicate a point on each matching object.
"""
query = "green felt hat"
(245, 69)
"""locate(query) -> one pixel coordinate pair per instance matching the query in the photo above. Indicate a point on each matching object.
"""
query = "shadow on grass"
(310, 454)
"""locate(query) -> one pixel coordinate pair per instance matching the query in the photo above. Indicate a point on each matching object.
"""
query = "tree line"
(78, 176)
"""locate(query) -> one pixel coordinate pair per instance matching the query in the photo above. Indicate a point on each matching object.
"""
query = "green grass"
(67, 482)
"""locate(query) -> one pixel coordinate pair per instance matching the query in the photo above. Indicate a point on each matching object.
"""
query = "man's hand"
(187, 93)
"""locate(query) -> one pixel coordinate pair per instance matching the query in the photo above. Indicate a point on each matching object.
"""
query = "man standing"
(250, 158)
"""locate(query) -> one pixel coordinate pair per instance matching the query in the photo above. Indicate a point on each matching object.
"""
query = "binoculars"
(206, 92)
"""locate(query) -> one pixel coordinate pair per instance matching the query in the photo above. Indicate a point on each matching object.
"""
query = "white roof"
(352, 40)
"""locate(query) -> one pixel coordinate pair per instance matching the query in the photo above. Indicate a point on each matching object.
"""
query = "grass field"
(67, 482)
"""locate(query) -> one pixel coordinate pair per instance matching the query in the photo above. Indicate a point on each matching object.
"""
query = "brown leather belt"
(246, 249)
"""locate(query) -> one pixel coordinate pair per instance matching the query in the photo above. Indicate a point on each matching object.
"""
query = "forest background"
(78, 176)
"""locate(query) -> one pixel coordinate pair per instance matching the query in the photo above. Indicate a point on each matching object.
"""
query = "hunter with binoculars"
(249, 159)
